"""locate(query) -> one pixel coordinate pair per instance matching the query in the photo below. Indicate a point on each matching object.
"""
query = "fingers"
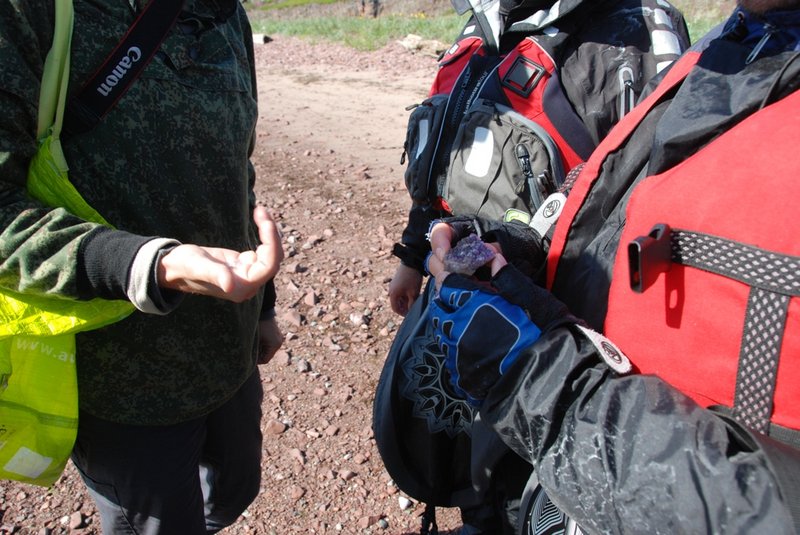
(246, 258)
(440, 280)
(267, 228)
(270, 252)
(253, 269)
(270, 340)
(398, 298)
(497, 263)
(404, 288)
(268, 232)
(441, 238)
(435, 264)
(261, 215)
(406, 300)
(399, 304)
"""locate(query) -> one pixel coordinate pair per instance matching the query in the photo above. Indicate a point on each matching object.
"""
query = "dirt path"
(331, 99)
(329, 144)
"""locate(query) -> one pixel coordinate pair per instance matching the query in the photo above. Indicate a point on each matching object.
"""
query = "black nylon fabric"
(608, 449)
(423, 432)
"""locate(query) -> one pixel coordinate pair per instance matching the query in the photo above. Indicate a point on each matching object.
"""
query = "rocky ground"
(328, 159)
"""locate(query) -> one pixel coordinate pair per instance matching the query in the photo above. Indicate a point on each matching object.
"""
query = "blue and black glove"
(482, 329)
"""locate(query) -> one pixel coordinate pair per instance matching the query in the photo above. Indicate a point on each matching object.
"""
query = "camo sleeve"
(39, 244)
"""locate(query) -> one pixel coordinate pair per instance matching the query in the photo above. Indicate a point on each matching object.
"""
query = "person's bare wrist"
(144, 283)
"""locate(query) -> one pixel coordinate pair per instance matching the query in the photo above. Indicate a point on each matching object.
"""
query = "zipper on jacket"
(769, 30)
(626, 92)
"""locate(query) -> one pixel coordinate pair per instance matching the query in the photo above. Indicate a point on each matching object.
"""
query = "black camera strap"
(121, 68)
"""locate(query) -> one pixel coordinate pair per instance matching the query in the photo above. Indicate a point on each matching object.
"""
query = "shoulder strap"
(53, 92)
(121, 68)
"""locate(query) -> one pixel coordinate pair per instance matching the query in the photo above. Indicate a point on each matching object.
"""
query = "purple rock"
(468, 255)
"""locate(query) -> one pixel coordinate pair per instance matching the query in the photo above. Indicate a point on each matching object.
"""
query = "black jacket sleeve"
(631, 453)
(414, 246)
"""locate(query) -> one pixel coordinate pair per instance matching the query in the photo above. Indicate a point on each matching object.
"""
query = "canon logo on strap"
(120, 70)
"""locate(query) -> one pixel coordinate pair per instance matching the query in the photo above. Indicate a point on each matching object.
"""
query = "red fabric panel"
(452, 63)
(687, 327)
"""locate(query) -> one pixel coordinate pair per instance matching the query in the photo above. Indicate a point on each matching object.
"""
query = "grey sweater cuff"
(143, 290)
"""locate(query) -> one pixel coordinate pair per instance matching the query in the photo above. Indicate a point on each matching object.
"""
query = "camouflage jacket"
(170, 160)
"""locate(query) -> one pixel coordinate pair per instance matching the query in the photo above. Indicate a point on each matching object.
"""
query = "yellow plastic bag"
(38, 407)
(38, 383)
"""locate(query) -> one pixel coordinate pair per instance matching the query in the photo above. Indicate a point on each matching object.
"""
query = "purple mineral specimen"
(468, 255)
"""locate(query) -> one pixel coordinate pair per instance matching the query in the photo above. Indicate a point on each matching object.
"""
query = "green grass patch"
(364, 33)
(288, 4)
(367, 33)
(702, 15)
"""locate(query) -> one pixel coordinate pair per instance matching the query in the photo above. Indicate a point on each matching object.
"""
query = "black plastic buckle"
(649, 256)
(523, 76)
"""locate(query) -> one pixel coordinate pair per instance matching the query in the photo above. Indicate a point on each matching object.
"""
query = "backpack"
(496, 135)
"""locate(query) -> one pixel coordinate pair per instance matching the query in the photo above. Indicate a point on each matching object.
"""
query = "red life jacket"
(706, 295)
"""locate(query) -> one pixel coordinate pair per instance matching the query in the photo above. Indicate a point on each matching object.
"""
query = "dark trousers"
(191, 478)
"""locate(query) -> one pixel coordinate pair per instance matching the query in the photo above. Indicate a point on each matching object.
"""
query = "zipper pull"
(524, 159)
(626, 93)
(769, 29)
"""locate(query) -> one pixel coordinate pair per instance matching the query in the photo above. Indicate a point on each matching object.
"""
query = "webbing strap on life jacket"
(719, 316)
(773, 279)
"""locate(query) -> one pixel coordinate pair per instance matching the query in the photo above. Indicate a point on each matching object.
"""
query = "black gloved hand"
(483, 328)
(543, 308)
(480, 334)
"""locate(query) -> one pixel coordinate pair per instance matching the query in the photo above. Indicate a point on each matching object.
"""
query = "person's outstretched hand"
(224, 273)
(404, 289)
